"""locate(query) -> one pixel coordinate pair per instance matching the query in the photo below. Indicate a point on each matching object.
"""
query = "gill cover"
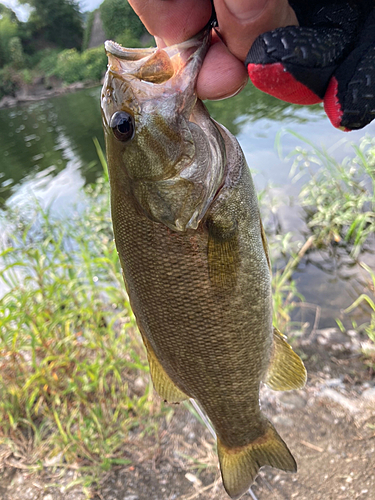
(174, 162)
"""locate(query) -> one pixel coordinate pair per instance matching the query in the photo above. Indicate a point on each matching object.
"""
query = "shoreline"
(39, 93)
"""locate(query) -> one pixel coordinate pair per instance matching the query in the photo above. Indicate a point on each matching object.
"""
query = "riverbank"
(329, 426)
(38, 92)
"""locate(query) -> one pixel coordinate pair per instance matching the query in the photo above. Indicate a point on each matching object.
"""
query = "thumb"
(242, 21)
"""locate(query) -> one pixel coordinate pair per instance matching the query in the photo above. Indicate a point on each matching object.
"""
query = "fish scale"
(178, 340)
(194, 256)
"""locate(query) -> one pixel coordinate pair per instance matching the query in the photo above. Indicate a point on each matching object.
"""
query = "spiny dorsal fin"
(286, 370)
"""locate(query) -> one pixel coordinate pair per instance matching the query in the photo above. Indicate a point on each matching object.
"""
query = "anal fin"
(163, 384)
(240, 466)
(286, 370)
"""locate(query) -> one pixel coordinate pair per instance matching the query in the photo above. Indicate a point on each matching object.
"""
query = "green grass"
(366, 301)
(69, 348)
(285, 253)
(339, 197)
(339, 202)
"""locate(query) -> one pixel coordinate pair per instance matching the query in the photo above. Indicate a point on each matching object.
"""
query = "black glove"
(329, 57)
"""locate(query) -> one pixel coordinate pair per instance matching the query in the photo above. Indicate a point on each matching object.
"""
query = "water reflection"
(43, 136)
(55, 189)
(47, 152)
(252, 106)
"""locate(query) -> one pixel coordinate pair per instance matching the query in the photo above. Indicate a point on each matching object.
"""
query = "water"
(47, 149)
(47, 152)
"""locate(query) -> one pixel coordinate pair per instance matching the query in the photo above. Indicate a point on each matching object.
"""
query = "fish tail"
(240, 466)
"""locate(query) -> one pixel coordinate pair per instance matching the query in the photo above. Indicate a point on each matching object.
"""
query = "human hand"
(330, 57)
(240, 22)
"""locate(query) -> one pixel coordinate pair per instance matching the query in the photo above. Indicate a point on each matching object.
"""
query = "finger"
(173, 21)
(241, 21)
(222, 75)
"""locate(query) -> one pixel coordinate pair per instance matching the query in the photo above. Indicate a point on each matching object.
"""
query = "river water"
(47, 151)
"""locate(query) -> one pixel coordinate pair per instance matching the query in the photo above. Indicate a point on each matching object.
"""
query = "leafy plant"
(94, 62)
(56, 22)
(69, 66)
(8, 30)
(285, 254)
(69, 348)
(369, 301)
(339, 198)
(72, 66)
(117, 17)
(12, 79)
(88, 29)
(47, 60)
(16, 52)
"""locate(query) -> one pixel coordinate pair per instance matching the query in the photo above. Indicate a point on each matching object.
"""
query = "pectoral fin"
(222, 262)
(286, 370)
(222, 251)
(163, 384)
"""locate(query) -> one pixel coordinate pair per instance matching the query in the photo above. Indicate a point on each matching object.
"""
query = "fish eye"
(122, 125)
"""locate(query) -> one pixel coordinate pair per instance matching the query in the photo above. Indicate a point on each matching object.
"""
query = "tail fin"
(240, 466)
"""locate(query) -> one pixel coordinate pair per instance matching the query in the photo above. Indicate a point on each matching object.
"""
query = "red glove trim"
(332, 105)
(275, 80)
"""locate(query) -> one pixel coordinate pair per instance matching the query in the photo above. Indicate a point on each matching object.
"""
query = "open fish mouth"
(156, 65)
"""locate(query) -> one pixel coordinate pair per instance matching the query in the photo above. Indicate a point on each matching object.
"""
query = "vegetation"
(72, 66)
(54, 41)
(119, 18)
(339, 203)
(366, 301)
(73, 376)
(88, 29)
(339, 198)
(68, 342)
(8, 31)
(56, 22)
(69, 348)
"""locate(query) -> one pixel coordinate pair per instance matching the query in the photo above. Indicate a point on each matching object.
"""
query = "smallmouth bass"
(194, 254)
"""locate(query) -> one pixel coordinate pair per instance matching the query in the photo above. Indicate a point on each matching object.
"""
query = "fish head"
(146, 100)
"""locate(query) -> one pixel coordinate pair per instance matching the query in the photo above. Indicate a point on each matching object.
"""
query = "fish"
(194, 253)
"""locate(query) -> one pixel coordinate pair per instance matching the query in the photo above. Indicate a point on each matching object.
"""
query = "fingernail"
(245, 10)
(228, 96)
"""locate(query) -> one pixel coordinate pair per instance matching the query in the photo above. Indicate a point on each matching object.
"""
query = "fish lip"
(158, 65)
(117, 50)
